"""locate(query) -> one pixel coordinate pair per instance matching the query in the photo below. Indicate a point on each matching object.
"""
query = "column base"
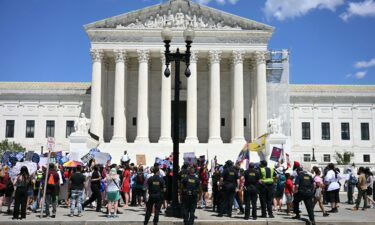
(215, 140)
(143, 140)
(191, 140)
(165, 140)
(238, 140)
(118, 140)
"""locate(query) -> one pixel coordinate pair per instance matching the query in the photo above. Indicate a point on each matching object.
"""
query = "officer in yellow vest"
(266, 191)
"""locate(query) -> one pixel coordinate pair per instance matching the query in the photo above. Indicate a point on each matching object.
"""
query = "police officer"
(229, 182)
(190, 188)
(251, 191)
(156, 186)
(266, 189)
(304, 191)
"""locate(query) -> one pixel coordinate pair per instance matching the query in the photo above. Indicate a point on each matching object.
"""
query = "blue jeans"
(76, 196)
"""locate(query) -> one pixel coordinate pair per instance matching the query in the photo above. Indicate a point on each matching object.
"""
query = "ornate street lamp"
(167, 35)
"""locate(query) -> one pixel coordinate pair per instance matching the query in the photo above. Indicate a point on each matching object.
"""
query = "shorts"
(279, 193)
(113, 196)
(333, 196)
(205, 188)
(369, 191)
(2, 193)
(289, 198)
(318, 193)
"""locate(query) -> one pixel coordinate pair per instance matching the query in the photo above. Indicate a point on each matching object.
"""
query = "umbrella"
(72, 164)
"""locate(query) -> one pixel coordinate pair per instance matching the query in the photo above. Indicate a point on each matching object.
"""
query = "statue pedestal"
(80, 144)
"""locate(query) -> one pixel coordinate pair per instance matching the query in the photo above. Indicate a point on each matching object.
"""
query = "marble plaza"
(238, 87)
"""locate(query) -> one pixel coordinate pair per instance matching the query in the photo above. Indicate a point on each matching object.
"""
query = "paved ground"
(135, 215)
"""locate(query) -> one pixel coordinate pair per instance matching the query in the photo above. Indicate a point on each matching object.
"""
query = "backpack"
(353, 179)
(281, 182)
(51, 180)
(140, 179)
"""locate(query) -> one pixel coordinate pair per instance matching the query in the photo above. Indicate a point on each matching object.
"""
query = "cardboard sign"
(189, 157)
(141, 159)
(276, 154)
(50, 143)
(29, 155)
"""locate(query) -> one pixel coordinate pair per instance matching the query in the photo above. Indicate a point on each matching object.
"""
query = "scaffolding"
(278, 88)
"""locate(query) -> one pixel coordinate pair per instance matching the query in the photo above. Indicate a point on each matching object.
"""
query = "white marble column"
(166, 103)
(119, 125)
(142, 114)
(214, 108)
(96, 110)
(238, 98)
(192, 137)
(254, 107)
(261, 92)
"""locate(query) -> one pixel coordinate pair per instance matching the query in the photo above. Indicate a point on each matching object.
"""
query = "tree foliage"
(10, 146)
(344, 158)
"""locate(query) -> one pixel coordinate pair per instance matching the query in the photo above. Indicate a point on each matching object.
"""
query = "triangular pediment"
(179, 13)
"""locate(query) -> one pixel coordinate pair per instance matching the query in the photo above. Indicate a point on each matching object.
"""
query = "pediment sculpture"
(178, 20)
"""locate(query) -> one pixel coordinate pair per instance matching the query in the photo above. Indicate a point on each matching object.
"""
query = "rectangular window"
(345, 131)
(366, 158)
(69, 127)
(327, 158)
(305, 131)
(50, 128)
(326, 134)
(365, 132)
(223, 122)
(30, 127)
(306, 157)
(9, 129)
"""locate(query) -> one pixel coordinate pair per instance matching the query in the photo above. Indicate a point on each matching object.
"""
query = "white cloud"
(361, 74)
(365, 8)
(282, 9)
(221, 2)
(365, 64)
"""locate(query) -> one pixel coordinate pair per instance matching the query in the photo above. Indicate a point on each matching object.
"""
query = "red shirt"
(288, 186)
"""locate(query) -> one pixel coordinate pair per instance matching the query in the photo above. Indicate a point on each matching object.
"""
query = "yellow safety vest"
(267, 178)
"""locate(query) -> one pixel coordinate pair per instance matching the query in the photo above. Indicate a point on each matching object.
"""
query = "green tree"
(344, 158)
(10, 146)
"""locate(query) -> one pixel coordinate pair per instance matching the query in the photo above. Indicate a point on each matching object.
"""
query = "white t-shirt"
(125, 158)
(332, 180)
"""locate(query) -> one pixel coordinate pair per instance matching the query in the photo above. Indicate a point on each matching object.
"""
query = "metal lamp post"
(167, 35)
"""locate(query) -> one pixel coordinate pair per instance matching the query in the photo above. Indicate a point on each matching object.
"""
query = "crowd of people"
(222, 189)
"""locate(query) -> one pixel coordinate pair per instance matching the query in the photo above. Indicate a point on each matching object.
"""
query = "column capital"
(194, 56)
(96, 55)
(214, 56)
(143, 55)
(238, 56)
(261, 56)
(120, 55)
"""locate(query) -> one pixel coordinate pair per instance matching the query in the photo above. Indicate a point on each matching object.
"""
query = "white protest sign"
(50, 144)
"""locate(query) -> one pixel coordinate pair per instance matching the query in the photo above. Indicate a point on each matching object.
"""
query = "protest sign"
(29, 155)
(86, 158)
(141, 159)
(14, 171)
(102, 158)
(276, 154)
(189, 157)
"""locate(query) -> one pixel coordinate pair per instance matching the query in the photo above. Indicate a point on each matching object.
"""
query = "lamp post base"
(174, 210)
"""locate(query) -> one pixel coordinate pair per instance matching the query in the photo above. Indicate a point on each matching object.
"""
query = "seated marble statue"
(82, 124)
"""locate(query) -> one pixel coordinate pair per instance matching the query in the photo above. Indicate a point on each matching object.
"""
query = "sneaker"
(71, 214)
(79, 215)
(53, 216)
(271, 216)
(325, 214)
(109, 216)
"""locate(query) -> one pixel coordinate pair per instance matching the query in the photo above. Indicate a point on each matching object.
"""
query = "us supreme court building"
(238, 87)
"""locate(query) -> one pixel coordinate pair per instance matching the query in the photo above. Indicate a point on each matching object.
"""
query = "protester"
(362, 189)
(52, 190)
(279, 188)
(126, 185)
(113, 192)
(22, 183)
(289, 190)
(4, 179)
(95, 190)
(318, 186)
(351, 184)
(332, 181)
(370, 185)
(76, 185)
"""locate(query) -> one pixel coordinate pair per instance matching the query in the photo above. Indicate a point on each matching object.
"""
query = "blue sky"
(331, 41)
